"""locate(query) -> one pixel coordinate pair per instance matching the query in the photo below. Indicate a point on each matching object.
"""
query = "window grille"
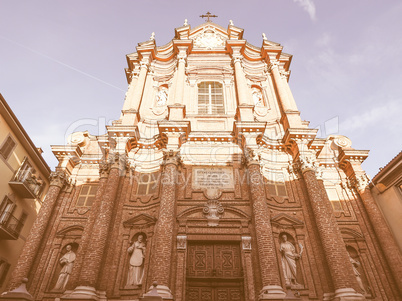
(87, 195)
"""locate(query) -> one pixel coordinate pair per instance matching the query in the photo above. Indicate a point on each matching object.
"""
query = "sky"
(62, 62)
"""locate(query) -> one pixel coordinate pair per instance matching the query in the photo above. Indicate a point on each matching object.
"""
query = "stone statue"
(152, 37)
(289, 257)
(231, 22)
(264, 37)
(185, 22)
(136, 269)
(355, 265)
(67, 261)
(257, 97)
(161, 97)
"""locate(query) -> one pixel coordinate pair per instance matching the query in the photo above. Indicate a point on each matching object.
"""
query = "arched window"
(210, 98)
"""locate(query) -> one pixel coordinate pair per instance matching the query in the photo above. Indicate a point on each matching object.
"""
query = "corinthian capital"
(273, 64)
(58, 178)
(360, 182)
(251, 156)
(306, 162)
(237, 57)
(117, 160)
(104, 169)
(171, 157)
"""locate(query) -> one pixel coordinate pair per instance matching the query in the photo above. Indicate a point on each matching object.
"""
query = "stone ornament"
(67, 262)
(152, 37)
(171, 157)
(246, 242)
(251, 156)
(340, 142)
(209, 39)
(162, 97)
(58, 178)
(264, 37)
(213, 211)
(136, 267)
(289, 257)
(257, 97)
(181, 242)
(360, 182)
(185, 22)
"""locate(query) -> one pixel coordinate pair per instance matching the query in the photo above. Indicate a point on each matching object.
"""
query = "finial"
(185, 22)
(264, 37)
(231, 22)
(152, 37)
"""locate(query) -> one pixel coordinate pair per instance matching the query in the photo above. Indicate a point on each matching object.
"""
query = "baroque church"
(208, 187)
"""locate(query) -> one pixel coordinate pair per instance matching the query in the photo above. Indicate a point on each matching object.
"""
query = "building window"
(87, 195)
(4, 266)
(6, 210)
(334, 199)
(147, 183)
(210, 98)
(276, 188)
(7, 147)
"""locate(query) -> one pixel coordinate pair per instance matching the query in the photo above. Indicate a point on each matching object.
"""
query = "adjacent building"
(23, 184)
(387, 191)
(209, 187)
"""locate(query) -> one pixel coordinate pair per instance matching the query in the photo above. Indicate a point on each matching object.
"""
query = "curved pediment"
(229, 213)
(75, 230)
(348, 233)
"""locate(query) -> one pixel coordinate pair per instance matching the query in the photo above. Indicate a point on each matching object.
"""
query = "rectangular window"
(334, 198)
(4, 267)
(210, 98)
(7, 147)
(276, 188)
(147, 183)
(87, 195)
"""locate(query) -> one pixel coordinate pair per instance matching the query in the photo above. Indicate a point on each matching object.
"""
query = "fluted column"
(27, 257)
(161, 260)
(93, 257)
(133, 100)
(384, 235)
(104, 169)
(341, 270)
(268, 261)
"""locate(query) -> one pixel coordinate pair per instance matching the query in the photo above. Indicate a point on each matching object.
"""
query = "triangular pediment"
(285, 220)
(140, 221)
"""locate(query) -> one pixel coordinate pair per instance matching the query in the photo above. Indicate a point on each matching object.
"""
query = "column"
(132, 103)
(93, 257)
(384, 235)
(161, 259)
(270, 276)
(335, 252)
(280, 87)
(27, 257)
(104, 169)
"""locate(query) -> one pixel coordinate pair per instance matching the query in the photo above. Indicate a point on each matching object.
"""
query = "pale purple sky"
(62, 62)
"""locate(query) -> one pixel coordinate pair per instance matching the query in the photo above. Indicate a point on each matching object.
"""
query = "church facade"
(209, 187)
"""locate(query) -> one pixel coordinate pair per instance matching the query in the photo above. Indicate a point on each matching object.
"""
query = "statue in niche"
(289, 257)
(355, 265)
(257, 97)
(67, 262)
(162, 97)
(136, 269)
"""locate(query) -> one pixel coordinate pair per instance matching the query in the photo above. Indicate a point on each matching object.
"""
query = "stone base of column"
(344, 294)
(158, 292)
(84, 293)
(272, 293)
(18, 294)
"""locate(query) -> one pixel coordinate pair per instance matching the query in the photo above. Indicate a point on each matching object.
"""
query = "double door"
(214, 272)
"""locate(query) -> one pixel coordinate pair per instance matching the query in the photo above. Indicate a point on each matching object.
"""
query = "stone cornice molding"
(58, 178)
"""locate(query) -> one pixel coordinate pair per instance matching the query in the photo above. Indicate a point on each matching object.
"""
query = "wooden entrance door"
(214, 272)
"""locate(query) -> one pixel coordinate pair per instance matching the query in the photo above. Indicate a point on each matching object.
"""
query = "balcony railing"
(10, 226)
(26, 185)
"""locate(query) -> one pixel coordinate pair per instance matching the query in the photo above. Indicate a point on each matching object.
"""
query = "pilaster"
(351, 161)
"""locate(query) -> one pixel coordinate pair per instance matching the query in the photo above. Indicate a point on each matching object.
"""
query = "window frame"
(151, 185)
(211, 109)
(87, 195)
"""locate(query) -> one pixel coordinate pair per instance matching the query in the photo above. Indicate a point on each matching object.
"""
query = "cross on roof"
(208, 15)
